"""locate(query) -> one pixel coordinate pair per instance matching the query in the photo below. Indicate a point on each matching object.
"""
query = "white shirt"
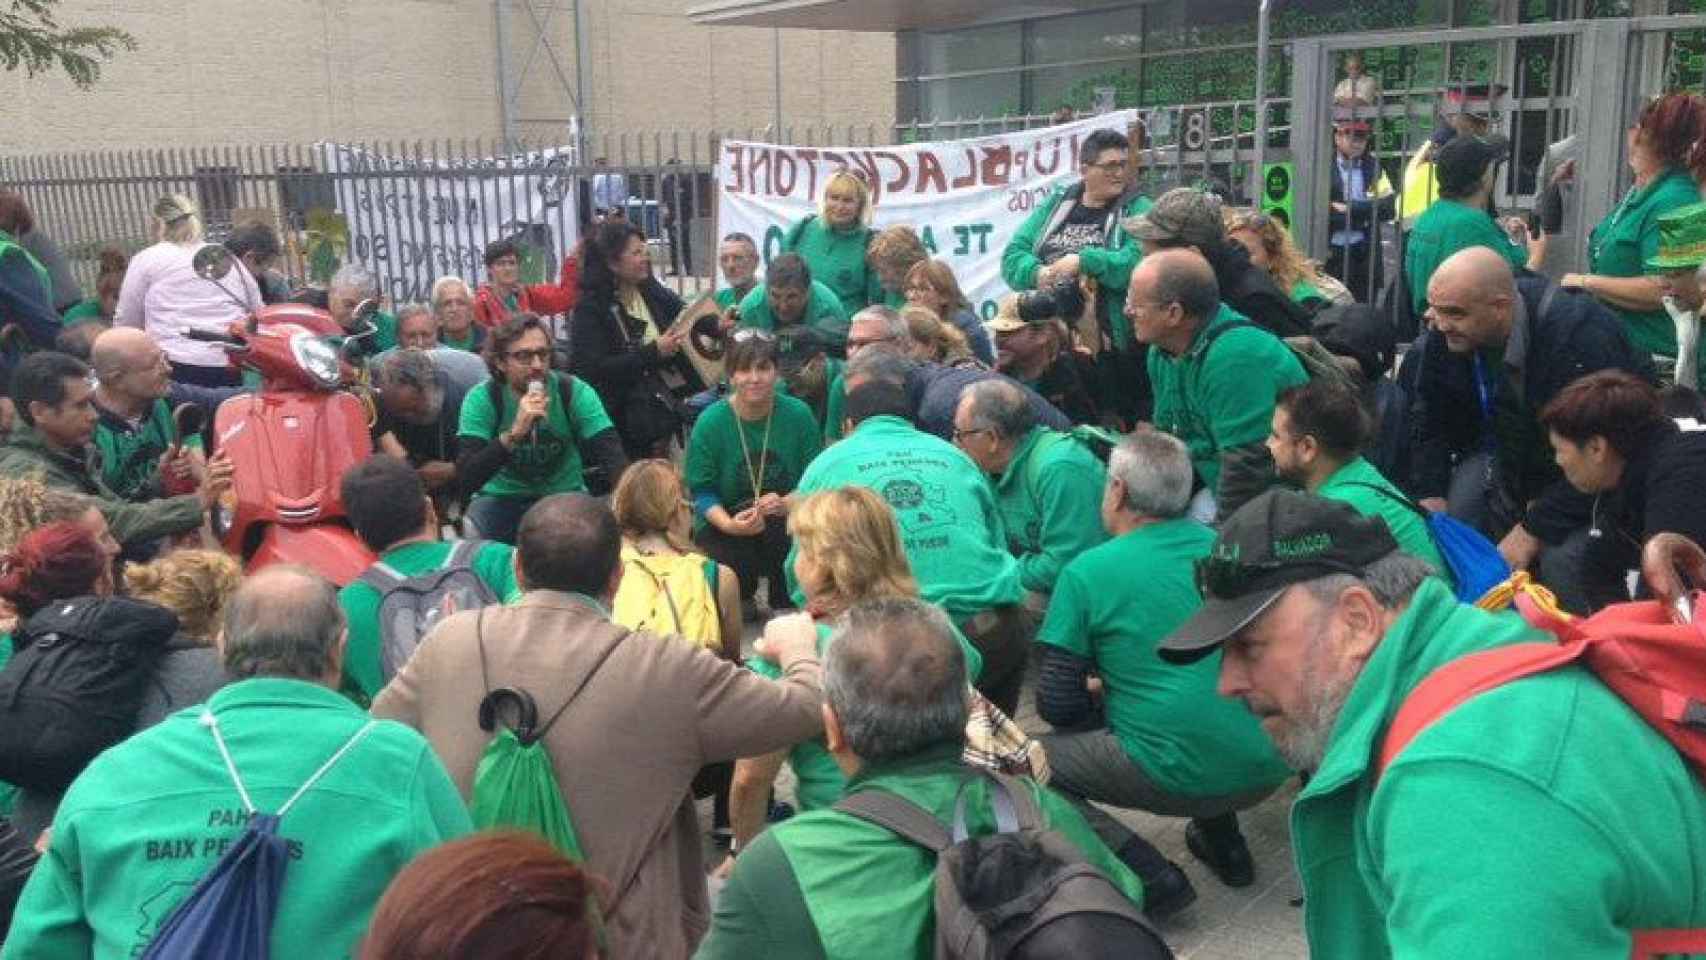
(1362, 88)
(163, 296)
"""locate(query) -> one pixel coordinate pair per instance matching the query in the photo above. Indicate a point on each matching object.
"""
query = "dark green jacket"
(25, 452)
(1111, 264)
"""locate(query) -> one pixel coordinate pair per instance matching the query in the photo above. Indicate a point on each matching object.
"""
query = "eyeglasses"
(752, 333)
(1110, 166)
(543, 354)
(856, 343)
(962, 434)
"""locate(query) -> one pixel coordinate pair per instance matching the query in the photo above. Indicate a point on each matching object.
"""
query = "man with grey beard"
(1542, 817)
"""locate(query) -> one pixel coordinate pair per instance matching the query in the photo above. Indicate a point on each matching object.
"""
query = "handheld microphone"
(534, 389)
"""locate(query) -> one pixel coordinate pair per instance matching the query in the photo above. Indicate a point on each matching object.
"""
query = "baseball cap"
(1462, 161)
(1182, 214)
(1279, 539)
(1474, 99)
(1007, 319)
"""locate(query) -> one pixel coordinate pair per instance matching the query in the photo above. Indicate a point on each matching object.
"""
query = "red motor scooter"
(291, 442)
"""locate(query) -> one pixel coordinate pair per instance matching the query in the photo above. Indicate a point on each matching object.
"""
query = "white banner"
(965, 197)
(414, 221)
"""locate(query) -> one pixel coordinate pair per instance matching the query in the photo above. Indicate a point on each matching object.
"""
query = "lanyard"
(755, 477)
(1487, 394)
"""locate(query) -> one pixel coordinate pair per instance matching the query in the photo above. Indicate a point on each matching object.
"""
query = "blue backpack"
(1475, 564)
(229, 914)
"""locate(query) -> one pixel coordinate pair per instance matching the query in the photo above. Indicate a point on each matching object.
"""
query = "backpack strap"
(381, 576)
(211, 722)
(1015, 808)
(486, 683)
(663, 586)
(899, 816)
(1394, 496)
(1464, 678)
(462, 553)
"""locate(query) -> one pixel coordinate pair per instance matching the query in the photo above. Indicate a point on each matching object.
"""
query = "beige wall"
(240, 71)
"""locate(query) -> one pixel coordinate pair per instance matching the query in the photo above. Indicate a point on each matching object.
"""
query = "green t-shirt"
(1113, 606)
(836, 257)
(130, 459)
(1351, 484)
(821, 782)
(87, 310)
(718, 464)
(471, 343)
(549, 464)
(362, 679)
(729, 297)
(950, 525)
(1051, 504)
(1442, 230)
(824, 312)
(1621, 244)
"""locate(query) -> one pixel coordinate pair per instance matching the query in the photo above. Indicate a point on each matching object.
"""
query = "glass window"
(996, 95)
(978, 48)
(1090, 36)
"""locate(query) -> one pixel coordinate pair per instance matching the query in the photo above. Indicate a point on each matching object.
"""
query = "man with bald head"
(142, 456)
(358, 798)
(1499, 348)
(1215, 376)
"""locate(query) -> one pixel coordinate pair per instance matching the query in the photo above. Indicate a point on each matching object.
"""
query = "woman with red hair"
(1658, 151)
(492, 896)
(57, 561)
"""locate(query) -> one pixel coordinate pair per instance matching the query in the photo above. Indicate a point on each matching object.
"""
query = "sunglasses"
(1228, 577)
(752, 333)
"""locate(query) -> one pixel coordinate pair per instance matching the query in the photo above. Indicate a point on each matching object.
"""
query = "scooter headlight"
(317, 357)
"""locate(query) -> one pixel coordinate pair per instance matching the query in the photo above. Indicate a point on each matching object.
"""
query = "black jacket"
(1557, 336)
(1249, 290)
(606, 347)
(1659, 493)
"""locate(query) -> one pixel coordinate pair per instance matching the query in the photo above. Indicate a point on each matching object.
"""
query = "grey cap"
(1184, 214)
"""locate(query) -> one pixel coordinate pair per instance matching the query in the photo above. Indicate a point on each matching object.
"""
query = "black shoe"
(1168, 893)
(1230, 861)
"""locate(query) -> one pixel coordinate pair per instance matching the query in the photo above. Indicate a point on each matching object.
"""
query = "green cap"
(1682, 240)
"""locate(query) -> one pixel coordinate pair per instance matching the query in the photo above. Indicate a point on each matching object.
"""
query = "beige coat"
(625, 752)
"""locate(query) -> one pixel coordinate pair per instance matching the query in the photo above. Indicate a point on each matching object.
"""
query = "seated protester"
(1499, 350)
(492, 896)
(26, 289)
(1317, 433)
(1215, 377)
(349, 288)
(934, 340)
(1186, 217)
(1644, 470)
(931, 284)
(134, 430)
(835, 242)
(950, 526)
(103, 306)
(1487, 828)
(1270, 247)
(1034, 346)
(933, 390)
(376, 796)
(737, 258)
(1467, 170)
(389, 508)
(849, 553)
(831, 884)
(256, 244)
(655, 514)
(624, 344)
(417, 328)
(1675, 267)
(420, 405)
(57, 418)
(1048, 485)
(651, 712)
(504, 294)
(746, 455)
(453, 307)
(873, 329)
(1169, 745)
(790, 297)
(892, 253)
(517, 442)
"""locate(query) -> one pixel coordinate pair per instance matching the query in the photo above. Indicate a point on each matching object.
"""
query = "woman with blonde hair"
(194, 584)
(936, 341)
(847, 550)
(162, 295)
(932, 284)
(1270, 248)
(835, 240)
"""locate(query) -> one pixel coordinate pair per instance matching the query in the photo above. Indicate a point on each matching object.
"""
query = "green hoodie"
(1111, 265)
(1218, 397)
(824, 312)
(1051, 504)
(26, 452)
(836, 256)
(950, 526)
(830, 886)
(151, 816)
(1543, 818)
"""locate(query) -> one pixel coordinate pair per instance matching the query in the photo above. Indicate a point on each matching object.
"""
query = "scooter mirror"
(211, 262)
(189, 419)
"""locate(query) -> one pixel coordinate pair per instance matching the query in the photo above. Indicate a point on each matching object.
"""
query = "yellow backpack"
(669, 595)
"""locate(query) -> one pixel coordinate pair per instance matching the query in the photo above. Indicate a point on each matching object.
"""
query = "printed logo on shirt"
(535, 461)
(921, 509)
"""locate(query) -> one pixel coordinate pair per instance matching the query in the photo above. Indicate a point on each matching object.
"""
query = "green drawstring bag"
(514, 784)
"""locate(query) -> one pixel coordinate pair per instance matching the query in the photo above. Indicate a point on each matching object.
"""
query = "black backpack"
(1024, 892)
(75, 684)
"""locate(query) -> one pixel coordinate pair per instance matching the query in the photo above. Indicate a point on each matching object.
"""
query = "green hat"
(1682, 240)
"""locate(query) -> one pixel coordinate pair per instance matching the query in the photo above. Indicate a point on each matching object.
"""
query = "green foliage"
(30, 37)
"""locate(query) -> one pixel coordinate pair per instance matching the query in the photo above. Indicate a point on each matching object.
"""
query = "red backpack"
(1658, 667)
